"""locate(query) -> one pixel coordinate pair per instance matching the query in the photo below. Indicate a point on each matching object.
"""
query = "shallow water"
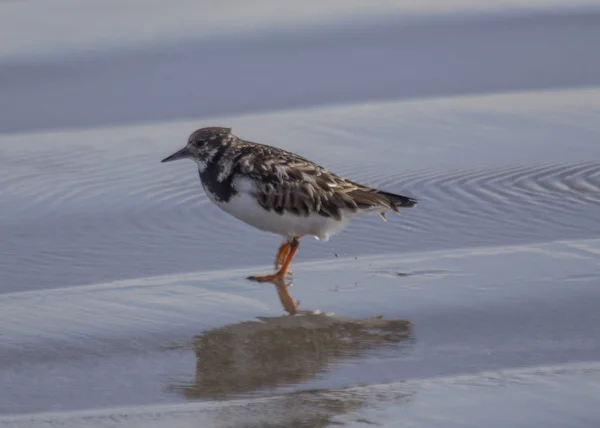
(84, 207)
(534, 396)
(196, 336)
(123, 299)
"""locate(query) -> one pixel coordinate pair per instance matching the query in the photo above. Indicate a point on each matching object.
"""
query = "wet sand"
(123, 298)
(454, 322)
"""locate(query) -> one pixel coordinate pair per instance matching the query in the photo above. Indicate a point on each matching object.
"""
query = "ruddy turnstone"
(278, 191)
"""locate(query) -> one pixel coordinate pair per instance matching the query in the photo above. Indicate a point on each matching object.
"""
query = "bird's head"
(201, 143)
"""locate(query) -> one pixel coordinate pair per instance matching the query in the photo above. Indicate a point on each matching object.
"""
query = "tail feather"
(398, 201)
(372, 199)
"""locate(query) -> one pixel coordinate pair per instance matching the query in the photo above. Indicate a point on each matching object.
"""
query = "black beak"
(181, 154)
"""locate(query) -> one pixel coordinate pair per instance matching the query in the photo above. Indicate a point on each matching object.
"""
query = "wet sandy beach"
(123, 298)
(454, 323)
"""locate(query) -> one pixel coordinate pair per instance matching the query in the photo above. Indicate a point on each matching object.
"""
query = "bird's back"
(287, 182)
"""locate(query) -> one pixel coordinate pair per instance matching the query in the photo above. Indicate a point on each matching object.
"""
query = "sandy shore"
(458, 327)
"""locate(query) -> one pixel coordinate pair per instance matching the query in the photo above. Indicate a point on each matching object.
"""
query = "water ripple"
(120, 217)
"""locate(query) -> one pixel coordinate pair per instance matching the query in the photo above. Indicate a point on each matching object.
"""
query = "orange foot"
(292, 249)
(282, 254)
(268, 278)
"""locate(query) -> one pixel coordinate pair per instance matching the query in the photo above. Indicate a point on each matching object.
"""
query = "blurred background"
(71, 64)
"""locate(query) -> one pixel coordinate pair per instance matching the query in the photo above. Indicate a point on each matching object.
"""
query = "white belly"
(245, 207)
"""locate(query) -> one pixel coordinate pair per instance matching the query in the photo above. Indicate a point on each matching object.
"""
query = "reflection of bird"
(273, 351)
(278, 191)
(287, 301)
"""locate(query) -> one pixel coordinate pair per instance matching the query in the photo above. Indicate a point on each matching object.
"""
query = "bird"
(280, 192)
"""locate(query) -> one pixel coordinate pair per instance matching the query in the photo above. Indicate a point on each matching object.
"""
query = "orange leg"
(280, 275)
(282, 254)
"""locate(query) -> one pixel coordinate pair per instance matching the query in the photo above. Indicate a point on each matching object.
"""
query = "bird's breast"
(217, 190)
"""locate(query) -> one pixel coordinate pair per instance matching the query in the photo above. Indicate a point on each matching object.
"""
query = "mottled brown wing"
(289, 183)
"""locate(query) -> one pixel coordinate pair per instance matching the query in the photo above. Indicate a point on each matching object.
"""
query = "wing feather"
(286, 182)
